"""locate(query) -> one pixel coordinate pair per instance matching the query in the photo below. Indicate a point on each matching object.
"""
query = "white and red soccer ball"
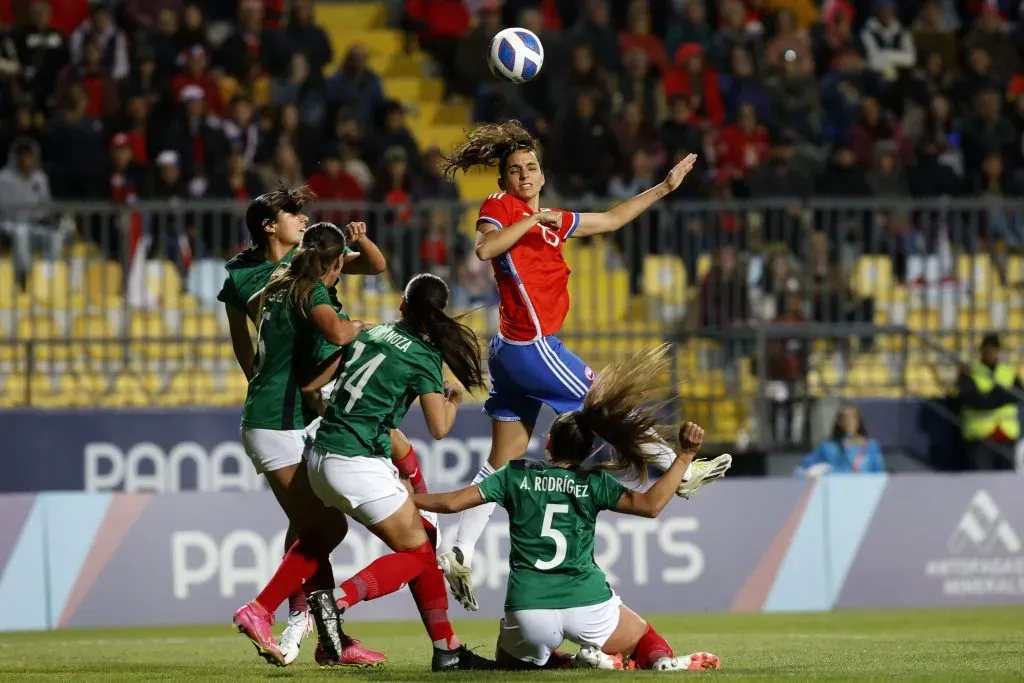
(515, 55)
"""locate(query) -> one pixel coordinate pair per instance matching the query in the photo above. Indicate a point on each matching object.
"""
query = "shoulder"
(496, 209)
(250, 258)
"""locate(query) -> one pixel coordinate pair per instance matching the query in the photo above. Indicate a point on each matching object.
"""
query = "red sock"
(299, 564)
(409, 466)
(431, 596)
(387, 574)
(650, 648)
(297, 600)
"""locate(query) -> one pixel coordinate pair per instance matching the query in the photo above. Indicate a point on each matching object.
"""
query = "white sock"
(661, 455)
(473, 521)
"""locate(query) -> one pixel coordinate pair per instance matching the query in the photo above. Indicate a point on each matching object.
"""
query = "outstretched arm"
(453, 501)
(624, 213)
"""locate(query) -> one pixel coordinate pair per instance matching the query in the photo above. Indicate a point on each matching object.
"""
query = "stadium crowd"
(118, 101)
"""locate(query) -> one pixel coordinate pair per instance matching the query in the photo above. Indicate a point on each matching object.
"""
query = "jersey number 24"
(355, 381)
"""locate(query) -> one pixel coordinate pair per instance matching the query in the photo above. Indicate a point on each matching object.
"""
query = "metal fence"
(117, 305)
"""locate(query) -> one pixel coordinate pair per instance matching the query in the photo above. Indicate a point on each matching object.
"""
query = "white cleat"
(593, 658)
(698, 661)
(300, 625)
(704, 472)
(459, 578)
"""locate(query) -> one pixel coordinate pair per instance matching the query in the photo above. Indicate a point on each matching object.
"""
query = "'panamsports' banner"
(76, 559)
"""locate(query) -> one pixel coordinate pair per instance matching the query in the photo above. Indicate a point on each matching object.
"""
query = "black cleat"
(459, 659)
(328, 623)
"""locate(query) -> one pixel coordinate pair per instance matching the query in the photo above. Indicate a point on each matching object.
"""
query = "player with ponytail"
(556, 591)
(385, 370)
(529, 365)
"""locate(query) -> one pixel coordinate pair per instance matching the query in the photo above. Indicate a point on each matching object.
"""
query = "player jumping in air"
(528, 365)
(274, 416)
(556, 591)
(386, 369)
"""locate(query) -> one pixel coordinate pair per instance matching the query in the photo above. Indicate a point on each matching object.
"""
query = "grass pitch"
(925, 645)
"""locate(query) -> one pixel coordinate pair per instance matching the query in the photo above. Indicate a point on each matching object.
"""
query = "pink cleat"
(352, 654)
(255, 622)
(703, 661)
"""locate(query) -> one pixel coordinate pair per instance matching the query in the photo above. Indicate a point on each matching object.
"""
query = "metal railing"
(111, 293)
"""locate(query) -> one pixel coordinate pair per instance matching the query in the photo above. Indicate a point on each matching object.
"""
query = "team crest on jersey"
(589, 374)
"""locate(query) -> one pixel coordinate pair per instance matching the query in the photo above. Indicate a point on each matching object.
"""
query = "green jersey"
(552, 512)
(285, 340)
(386, 369)
(248, 273)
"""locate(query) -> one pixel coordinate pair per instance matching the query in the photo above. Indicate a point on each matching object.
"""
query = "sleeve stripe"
(575, 224)
(493, 221)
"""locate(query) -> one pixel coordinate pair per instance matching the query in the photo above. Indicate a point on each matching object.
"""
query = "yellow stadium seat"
(130, 390)
(872, 276)
(976, 270)
(103, 279)
(13, 392)
(147, 325)
(164, 281)
(8, 285)
(187, 388)
(48, 283)
(665, 277)
(83, 389)
(703, 266)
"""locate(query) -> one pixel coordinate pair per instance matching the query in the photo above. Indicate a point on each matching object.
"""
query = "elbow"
(650, 511)
(437, 432)
(483, 253)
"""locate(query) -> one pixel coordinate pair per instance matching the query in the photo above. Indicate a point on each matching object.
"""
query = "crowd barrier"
(92, 559)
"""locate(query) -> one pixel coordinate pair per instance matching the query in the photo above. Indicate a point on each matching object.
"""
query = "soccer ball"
(516, 55)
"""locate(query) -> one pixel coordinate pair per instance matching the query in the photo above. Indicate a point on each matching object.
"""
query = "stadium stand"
(855, 227)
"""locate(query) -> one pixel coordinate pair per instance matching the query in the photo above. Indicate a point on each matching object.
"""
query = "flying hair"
(487, 146)
(321, 247)
(623, 407)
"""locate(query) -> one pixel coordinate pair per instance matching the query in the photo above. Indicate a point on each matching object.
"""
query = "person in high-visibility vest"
(989, 393)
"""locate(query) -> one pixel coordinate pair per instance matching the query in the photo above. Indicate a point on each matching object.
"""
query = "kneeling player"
(556, 591)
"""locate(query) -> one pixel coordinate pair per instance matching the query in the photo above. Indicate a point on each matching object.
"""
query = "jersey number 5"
(547, 531)
(355, 383)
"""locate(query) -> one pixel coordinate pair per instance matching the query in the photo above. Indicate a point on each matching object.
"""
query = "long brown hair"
(489, 145)
(622, 409)
(426, 297)
(264, 209)
(321, 247)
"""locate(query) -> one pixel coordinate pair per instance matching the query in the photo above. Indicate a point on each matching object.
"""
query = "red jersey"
(532, 276)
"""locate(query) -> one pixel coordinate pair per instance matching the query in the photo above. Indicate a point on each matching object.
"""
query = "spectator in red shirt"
(438, 25)
(253, 46)
(332, 183)
(742, 147)
(638, 35)
(692, 77)
(95, 78)
(196, 74)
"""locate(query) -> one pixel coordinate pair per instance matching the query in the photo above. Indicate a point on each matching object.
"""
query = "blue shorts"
(526, 376)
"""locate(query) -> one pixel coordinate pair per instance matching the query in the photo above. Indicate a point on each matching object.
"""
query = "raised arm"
(492, 242)
(651, 502)
(453, 501)
(241, 340)
(366, 258)
(626, 212)
(335, 330)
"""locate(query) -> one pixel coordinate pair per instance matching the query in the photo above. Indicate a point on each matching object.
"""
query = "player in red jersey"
(529, 366)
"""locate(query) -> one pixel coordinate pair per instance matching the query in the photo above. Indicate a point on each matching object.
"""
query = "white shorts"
(367, 489)
(273, 449)
(531, 635)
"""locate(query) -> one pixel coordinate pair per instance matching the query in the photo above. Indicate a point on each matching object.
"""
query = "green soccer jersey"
(285, 340)
(386, 369)
(552, 512)
(248, 273)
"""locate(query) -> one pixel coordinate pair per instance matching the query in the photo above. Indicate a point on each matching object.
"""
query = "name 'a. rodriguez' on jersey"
(532, 276)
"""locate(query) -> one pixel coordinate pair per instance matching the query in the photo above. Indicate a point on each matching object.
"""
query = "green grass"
(924, 645)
